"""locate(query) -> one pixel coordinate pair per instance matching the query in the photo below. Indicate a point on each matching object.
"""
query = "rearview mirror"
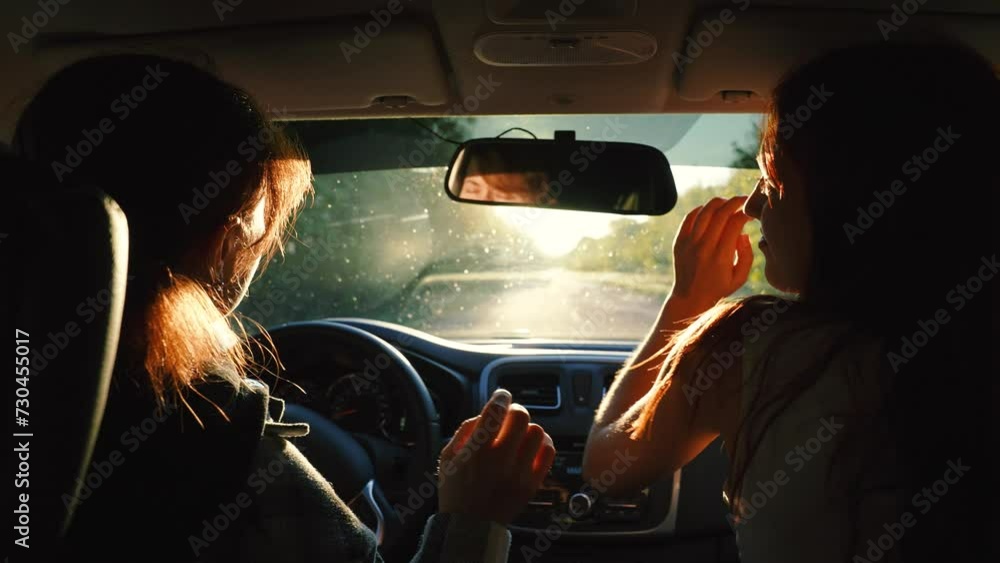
(623, 178)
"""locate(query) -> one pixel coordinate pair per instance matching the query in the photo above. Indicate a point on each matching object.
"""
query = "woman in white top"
(849, 411)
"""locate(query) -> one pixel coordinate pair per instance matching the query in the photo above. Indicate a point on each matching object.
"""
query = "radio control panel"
(562, 393)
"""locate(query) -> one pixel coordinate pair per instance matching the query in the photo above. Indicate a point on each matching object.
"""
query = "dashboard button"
(582, 381)
(580, 505)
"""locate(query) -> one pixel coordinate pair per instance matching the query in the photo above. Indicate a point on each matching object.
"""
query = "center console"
(562, 392)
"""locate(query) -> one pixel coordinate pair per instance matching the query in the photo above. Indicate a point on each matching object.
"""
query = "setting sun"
(557, 232)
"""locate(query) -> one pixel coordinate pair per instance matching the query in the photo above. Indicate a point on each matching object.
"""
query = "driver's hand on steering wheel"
(495, 462)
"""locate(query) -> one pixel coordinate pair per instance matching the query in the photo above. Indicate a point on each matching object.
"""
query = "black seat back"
(63, 254)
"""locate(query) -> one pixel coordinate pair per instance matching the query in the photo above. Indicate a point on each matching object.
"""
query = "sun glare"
(557, 232)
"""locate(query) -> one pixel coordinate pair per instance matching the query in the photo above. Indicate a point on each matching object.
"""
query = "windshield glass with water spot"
(382, 240)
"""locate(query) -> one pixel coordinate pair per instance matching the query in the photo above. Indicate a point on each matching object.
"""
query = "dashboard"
(355, 399)
(561, 384)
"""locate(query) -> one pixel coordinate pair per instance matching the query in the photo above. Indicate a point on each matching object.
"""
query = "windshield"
(382, 240)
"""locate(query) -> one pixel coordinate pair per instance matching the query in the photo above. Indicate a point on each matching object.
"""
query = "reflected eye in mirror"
(477, 187)
(623, 178)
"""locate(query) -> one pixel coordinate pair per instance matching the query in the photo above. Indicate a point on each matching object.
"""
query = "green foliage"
(367, 238)
(645, 247)
(746, 156)
(370, 238)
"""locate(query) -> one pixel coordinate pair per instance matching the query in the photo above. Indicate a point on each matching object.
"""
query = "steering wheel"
(353, 464)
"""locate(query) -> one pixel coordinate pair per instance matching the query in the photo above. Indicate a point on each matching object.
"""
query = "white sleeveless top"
(789, 512)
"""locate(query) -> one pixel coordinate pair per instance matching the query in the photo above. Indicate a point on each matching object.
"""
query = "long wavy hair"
(889, 103)
(184, 154)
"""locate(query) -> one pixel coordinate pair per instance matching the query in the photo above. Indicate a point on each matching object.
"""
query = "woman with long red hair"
(185, 425)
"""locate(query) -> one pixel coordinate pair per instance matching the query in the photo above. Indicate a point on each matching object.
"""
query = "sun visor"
(302, 69)
(755, 48)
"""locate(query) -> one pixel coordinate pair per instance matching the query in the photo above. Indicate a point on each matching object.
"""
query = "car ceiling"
(290, 54)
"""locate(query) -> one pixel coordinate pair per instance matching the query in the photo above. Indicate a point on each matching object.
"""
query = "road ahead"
(552, 303)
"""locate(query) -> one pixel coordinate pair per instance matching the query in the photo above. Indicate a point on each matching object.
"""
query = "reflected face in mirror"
(504, 188)
(486, 180)
(629, 179)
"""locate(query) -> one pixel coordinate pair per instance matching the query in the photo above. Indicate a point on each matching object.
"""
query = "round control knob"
(580, 505)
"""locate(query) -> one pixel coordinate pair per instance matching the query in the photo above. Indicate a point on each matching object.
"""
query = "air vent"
(534, 390)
